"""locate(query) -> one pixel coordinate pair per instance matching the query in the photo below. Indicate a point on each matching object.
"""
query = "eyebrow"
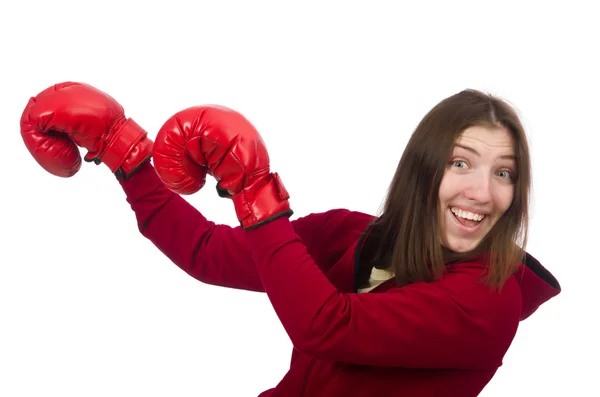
(470, 149)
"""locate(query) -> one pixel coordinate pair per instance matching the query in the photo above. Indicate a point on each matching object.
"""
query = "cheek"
(503, 197)
(448, 187)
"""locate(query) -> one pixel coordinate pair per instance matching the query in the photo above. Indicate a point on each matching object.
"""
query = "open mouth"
(468, 221)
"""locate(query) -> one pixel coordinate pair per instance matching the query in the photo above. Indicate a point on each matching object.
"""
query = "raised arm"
(67, 116)
(220, 254)
(211, 253)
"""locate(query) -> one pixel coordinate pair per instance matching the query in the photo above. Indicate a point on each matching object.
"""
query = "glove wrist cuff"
(257, 206)
(127, 150)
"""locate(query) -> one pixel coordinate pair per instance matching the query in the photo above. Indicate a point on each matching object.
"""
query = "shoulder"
(491, 316)
(329, 235)
(492, 313)
(465, 283)
(464, 313)
(335, 220)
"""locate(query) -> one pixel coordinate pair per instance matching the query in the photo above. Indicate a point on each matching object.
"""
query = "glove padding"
(67, 115)
(220, 142)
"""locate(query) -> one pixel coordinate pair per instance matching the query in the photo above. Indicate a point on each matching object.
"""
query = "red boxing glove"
(67, 115)
(220, 142)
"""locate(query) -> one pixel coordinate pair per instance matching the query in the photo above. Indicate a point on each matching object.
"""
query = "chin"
(461, 246)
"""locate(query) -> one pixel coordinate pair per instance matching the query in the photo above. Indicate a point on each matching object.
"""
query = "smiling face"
(477, 187)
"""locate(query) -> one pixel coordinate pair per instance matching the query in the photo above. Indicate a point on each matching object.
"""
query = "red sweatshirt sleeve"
(213, 254)
(423, 325)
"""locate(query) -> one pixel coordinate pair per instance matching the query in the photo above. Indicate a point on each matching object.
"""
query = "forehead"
(489, 139)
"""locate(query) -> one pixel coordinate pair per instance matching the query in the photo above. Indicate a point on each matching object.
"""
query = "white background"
(88, 307)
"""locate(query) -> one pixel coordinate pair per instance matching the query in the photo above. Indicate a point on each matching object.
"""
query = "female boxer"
(422, 300)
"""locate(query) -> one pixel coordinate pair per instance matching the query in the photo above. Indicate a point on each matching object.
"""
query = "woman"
(423, 300)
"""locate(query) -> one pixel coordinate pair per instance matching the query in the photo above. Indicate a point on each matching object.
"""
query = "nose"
(479, 188)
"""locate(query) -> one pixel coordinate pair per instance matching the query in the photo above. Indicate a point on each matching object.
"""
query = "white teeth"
(467, 214)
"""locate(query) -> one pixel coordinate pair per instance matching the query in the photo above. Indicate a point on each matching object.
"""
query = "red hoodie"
(443, 338)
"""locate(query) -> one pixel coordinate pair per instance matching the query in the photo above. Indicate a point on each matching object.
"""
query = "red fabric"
(444, 338)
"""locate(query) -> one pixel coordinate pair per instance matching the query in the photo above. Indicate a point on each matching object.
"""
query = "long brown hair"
(406, 235)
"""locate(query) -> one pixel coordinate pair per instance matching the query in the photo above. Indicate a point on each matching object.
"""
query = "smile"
(468, 222)
(467, 215)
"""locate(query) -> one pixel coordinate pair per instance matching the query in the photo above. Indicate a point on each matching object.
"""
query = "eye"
(459, 164)
(505, 174)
